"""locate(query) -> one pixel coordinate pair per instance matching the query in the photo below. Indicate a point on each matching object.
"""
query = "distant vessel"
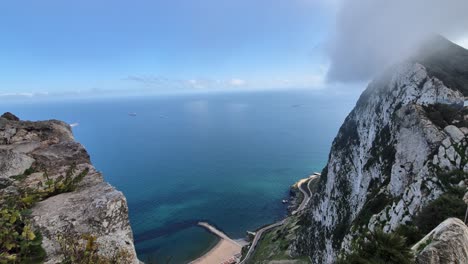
(132, 114)
(74, 124)
(285, 201)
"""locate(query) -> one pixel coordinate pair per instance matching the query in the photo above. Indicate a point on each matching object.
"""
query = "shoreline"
(222, 252)
(226, 250)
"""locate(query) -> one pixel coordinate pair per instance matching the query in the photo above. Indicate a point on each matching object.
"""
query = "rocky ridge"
(41, 164)
(401, 147)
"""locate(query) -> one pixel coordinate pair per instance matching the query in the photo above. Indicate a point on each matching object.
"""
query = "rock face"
(447, 243)
(388, 158)
(44, 154)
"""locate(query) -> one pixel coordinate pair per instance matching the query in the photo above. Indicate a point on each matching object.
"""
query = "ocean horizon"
(228, 159)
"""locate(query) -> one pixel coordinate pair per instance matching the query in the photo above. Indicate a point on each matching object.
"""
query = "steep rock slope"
(391, 154)
(42, 161)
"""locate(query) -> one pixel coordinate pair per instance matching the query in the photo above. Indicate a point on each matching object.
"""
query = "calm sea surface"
(226, 158)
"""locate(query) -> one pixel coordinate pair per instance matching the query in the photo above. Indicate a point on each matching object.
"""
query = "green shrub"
(379, 248)
(447, 205)
(410, 232)
(18, 242)
(63, 184)
(443, 115)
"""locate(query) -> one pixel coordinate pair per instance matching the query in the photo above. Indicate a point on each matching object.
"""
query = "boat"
(132, 114)
(285, 201)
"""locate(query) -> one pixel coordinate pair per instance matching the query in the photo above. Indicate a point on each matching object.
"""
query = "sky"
(109, 47)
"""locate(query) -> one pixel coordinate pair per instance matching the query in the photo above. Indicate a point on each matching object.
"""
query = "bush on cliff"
(19, 243)
(447, 205)
(379, 247)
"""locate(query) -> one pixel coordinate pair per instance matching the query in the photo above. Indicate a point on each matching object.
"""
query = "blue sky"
(117, 47)
(55, 46)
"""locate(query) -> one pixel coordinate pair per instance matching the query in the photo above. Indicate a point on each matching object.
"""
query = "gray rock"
(99, 210)
(464, 130)
(447, 243)
(10, 116)
(13, 163)
(455, 133)
(451, 153)
(95, 208)
(446, 142)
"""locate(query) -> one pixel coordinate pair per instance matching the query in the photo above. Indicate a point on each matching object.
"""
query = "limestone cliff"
(43, 167)
(394, 154)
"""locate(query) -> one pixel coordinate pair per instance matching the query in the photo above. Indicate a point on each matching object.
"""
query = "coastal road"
(257, 237)
(304, 187)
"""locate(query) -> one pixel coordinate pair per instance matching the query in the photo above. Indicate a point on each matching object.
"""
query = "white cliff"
(386, 162)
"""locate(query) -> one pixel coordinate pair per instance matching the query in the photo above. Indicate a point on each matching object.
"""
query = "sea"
(226, 158)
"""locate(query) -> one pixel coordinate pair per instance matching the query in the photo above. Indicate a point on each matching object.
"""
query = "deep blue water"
(225, 158)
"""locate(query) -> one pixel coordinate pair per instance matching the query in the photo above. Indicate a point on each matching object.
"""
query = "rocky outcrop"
(447, 243)
(42, 159)
(391, 157)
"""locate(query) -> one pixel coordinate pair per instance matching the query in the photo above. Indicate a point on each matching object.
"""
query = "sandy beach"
(224, 252)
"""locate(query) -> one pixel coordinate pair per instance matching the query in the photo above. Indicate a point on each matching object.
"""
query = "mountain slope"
(393, 154)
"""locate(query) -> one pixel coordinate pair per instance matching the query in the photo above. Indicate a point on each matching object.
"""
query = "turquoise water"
(228, 159)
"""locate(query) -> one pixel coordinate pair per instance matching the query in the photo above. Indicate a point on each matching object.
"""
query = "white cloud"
(16, 94)
(237, 82)
(200, 83)
(371, 34)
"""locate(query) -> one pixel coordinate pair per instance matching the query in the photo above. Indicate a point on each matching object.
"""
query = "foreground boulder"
(447, 243)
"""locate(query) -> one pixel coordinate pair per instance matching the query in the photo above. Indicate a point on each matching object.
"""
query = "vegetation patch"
(447, 205)
(379, 247)
(274, 244)
(382, 151)
(424, 245)
(443, 115)
(450, 179)
(23, 176)
(18, 242)
(373, 206)
(348, 134)
(410, 232)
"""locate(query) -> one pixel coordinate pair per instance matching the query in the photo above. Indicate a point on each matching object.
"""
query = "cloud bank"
(371, 34)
